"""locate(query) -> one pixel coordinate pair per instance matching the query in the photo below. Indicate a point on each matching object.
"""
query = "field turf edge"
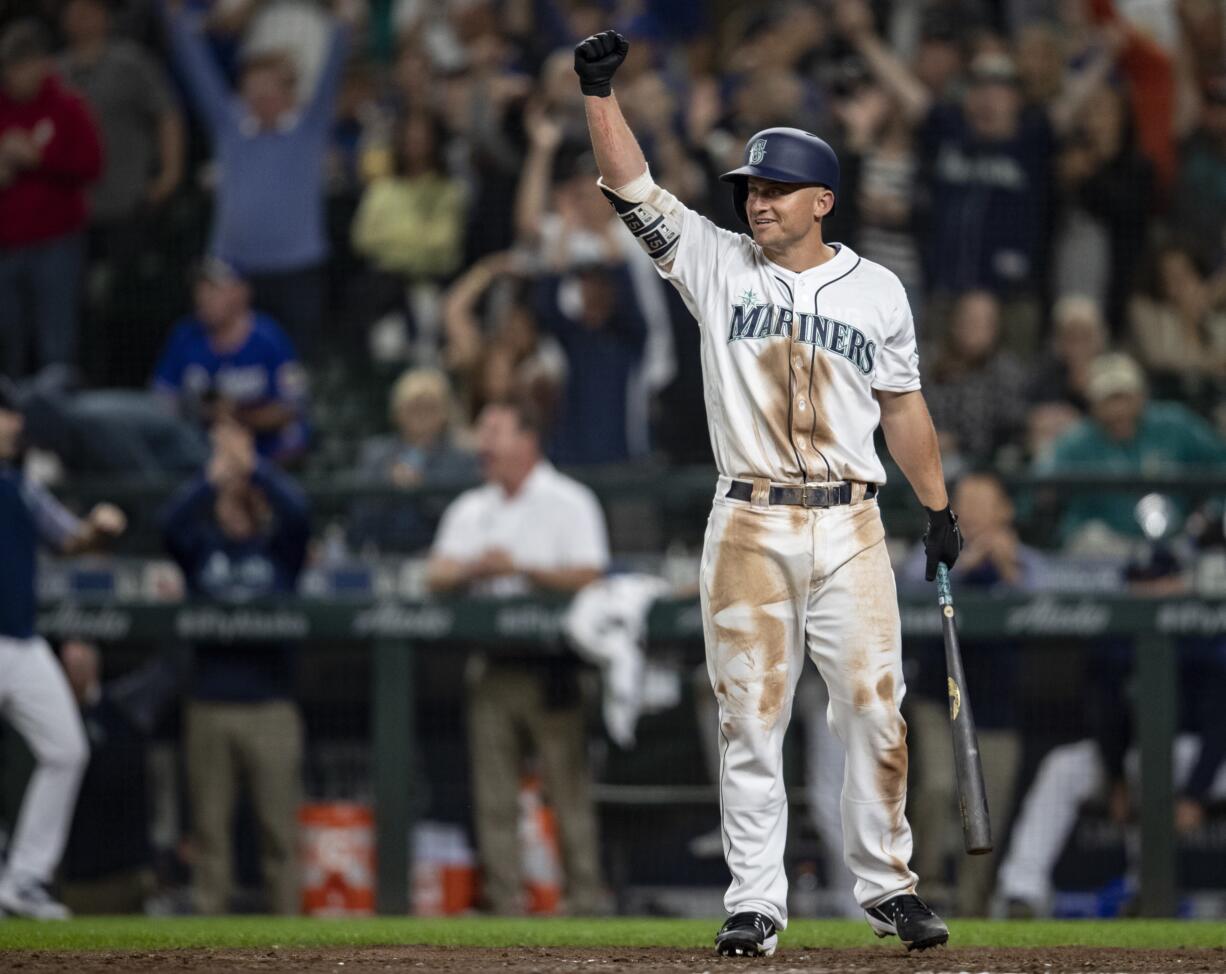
(148, 933)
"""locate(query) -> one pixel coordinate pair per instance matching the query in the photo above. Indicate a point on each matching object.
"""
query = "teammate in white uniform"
(806, 348)
(35, 698)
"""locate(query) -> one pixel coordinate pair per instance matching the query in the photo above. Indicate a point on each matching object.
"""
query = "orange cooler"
(337, 842)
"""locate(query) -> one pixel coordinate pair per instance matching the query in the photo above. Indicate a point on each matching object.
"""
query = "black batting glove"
(596, 59)
(942, 540)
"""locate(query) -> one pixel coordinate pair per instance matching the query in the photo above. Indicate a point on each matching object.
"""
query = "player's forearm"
(912, 441)
(617, 151)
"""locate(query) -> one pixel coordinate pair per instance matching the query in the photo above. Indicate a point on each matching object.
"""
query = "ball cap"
(1114, 374)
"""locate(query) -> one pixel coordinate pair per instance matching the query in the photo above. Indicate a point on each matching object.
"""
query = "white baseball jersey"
(789, 360)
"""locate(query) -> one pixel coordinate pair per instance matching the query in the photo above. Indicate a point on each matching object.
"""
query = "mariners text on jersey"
(769, 321)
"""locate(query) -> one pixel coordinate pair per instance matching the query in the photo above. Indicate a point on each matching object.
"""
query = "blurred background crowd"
(249, 245)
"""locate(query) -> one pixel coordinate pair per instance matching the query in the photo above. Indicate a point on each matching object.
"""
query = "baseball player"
(806, 348)
(34, 694)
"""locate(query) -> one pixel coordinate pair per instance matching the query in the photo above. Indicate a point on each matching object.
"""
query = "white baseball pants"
(36, 699)
(824, 770)
(777, 583)
(1068, 777)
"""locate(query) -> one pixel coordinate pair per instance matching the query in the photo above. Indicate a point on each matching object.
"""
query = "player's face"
(781, 214)
(11, 426)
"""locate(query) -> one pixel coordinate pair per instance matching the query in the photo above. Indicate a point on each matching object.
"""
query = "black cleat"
(908, 918)
(747, 935)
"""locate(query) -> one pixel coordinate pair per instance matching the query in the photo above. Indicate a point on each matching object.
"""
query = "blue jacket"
(218, 568)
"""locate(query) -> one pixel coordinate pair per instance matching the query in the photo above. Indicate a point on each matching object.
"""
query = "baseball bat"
(972, 796)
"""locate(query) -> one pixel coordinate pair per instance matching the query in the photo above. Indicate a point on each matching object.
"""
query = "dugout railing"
(400, 631)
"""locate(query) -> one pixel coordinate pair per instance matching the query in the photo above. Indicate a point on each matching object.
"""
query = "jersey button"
(800, 404)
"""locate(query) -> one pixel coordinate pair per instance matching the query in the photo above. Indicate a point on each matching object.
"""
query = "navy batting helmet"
(787, 156)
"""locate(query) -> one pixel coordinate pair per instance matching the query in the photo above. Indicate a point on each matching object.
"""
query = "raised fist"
(597, 58)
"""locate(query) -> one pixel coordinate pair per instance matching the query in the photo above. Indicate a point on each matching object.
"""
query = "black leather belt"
(810, 495)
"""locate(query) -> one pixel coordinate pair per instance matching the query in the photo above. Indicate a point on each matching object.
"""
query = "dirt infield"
(558, 960)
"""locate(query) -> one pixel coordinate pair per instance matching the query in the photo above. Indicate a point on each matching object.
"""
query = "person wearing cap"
(1125, 434)
(270, 149)
(142, 126)
(50, 151)
(988, 160)
(228, 361)
(35, 699)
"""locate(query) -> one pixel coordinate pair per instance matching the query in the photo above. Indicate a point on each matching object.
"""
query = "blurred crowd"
(267, 210)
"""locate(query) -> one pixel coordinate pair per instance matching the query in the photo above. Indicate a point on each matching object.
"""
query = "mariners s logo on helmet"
(757, 152)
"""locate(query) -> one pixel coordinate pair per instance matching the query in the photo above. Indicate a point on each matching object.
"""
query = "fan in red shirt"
(50, 150)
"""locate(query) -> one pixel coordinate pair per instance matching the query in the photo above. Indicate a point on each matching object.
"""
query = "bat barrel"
(972, 795)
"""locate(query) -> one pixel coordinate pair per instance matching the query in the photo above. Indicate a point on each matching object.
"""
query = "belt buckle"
(814, 495)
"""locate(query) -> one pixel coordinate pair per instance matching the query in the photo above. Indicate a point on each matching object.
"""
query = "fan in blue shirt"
(229, 361)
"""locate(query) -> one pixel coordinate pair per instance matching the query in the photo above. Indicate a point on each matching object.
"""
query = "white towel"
(607, 626)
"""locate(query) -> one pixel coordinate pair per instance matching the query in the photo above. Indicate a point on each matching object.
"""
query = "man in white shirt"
(528, 528)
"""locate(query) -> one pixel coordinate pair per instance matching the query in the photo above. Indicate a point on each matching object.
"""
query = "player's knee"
(868, 714)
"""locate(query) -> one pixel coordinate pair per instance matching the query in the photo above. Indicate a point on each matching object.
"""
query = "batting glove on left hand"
(942, 540)
(596, 59)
